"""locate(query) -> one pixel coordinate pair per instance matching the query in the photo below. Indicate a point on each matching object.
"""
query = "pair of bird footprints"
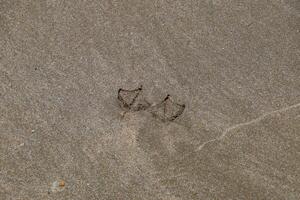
(166, 110)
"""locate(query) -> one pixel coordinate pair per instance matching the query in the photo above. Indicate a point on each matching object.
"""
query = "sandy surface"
(234, 64)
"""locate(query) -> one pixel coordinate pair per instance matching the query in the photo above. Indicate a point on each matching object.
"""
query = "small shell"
(58, 186)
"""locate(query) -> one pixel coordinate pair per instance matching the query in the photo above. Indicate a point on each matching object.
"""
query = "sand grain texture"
(234, 64)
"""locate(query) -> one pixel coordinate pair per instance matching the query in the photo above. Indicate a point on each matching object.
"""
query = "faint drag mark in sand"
(222, 136)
